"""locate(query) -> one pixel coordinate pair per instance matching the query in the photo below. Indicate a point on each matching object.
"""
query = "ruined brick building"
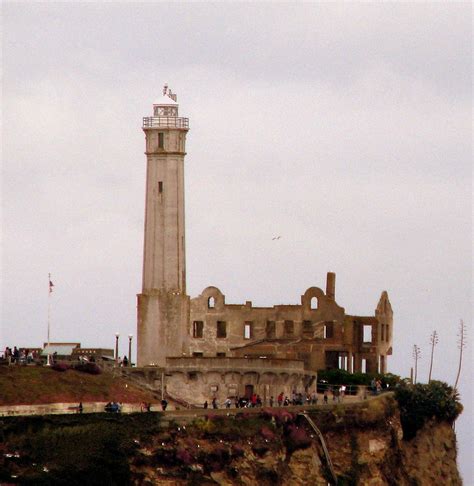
(207, 347)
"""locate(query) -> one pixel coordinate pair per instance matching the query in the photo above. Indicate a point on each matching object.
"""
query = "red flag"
(51, 285)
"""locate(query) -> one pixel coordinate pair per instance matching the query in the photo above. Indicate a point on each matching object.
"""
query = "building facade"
(207, 347)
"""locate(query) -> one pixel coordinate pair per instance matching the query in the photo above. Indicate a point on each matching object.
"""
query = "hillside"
(365, 444)
(39, 385)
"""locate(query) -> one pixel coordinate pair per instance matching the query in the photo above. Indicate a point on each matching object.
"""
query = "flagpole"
(48, 356)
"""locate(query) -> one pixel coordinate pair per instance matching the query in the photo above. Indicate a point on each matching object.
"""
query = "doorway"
(248, 391)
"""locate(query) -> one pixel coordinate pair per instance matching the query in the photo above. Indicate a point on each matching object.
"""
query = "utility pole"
(117, 335)
(416, 357)
(130, 337)
(433, 342)
(50, 286)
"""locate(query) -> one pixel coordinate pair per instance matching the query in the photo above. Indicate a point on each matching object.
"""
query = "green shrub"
(342, 377)
(420, 403)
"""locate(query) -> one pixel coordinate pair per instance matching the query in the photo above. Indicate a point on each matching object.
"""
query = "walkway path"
(171, 413)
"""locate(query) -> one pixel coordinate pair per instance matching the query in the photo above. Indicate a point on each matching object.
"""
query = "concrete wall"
(343, 347)
(162, 317)
(237, 316)
(164, 264)
(198, 379)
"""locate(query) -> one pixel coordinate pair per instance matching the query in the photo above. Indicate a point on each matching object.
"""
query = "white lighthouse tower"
(163, 306)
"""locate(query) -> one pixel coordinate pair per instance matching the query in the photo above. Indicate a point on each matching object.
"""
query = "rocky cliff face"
(374, 456)
(364, 444)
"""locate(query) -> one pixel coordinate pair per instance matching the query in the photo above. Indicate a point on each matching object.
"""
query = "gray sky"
(345, 128)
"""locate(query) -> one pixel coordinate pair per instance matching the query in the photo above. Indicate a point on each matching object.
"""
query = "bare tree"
(461, 345)
(433, 342)
(416, 357)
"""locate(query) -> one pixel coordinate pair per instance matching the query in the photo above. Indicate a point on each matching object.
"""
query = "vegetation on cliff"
(420, 403)
(343, 377)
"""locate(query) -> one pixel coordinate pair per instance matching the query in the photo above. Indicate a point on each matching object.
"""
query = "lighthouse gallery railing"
(165, 122)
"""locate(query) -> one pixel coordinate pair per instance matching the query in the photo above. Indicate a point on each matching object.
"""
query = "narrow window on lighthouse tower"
(160, 186)
(161, 140)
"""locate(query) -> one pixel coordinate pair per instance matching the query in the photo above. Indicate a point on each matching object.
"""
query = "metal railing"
(323, 444)
(165, 122)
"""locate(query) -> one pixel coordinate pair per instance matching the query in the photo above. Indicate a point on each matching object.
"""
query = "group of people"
(375, 386)
(255, 401)
(123, 362)
(296, 399)
(338, 393)
(19, 356)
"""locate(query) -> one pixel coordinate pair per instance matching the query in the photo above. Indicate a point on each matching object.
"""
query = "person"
(271, 401)
(343, 391)
(79, 408)
(125, 361)
(325, 396)
(206, 404)
(164, 404)
(227, 403)
(280, 399)
(111, 407)
(253, 399)
(214, 403)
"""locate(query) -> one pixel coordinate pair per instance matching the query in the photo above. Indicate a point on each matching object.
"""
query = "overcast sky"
(344, 128)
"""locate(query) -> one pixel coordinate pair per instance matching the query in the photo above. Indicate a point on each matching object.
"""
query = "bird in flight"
(276, 237)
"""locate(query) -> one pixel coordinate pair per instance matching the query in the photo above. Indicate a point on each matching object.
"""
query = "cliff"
(364, 444)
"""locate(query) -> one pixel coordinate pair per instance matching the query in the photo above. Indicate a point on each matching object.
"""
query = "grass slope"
(21, 385)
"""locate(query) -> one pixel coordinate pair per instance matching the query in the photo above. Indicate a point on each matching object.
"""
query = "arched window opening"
(211, 303)
(314, 303)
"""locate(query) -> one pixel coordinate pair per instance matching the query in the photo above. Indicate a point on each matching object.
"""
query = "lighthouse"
(163, 306)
